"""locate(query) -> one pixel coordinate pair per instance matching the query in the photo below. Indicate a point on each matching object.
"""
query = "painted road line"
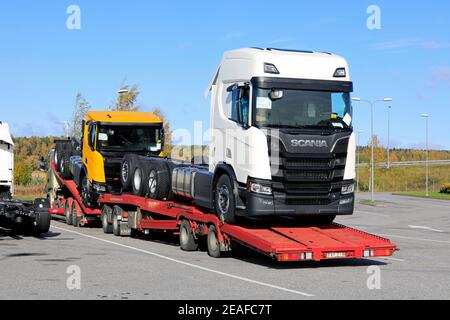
(425, 228)
(190, 264)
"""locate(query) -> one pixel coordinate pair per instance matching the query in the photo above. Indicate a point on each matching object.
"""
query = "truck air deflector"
(302, 84)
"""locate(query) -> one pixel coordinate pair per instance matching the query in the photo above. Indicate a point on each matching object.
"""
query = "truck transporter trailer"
(281, 165)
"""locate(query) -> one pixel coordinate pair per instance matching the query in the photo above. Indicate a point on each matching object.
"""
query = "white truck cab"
(281, 123)
(6, 161)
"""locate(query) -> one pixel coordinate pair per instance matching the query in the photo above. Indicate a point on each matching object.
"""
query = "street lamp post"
(372, 103)
(388, 142)
(426, 116)
(358, 154)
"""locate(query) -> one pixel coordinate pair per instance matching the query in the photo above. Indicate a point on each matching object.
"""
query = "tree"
(22, 173)
(167, 132)
(80, 110)
(126, 99)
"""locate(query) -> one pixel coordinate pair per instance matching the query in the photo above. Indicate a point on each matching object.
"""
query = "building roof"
(123, 117)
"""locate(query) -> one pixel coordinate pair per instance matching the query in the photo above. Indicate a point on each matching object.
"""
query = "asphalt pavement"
(83, 263)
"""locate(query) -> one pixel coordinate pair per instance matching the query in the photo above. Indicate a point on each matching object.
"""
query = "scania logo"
(309, 143)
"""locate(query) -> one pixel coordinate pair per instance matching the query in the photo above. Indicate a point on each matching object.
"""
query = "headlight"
(259, 188)
(348, 189)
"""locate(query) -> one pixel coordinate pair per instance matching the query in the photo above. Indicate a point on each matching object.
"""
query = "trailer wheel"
(117, 211)
(187, 238)
(68, 213)
(75, 218)
(213, 242)
(157, 182)
(106, 226)
(127, 170)
(224, 200)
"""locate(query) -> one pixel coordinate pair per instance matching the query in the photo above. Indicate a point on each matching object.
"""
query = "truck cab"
(107, 137)
(281, 123)
(7, 162)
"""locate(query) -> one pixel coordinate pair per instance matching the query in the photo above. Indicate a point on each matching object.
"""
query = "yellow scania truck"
(95, 162)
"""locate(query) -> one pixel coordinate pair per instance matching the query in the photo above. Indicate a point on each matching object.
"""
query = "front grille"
(308, 202)
(307, 180)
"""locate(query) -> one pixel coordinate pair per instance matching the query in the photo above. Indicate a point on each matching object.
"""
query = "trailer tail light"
(378, 253)
(294, 256)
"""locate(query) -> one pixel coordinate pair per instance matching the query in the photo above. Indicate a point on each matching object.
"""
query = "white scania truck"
(282, 143)
(24, 216)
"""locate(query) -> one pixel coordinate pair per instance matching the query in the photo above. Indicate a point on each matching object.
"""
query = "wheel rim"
(152, 182)
(223, 199)
(137, 179)
(105, 220)
(125, 171)
(62, 165)
(212, 241)
(56, 157)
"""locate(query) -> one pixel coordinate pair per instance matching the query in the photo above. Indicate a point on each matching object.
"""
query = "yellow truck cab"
(107, 137)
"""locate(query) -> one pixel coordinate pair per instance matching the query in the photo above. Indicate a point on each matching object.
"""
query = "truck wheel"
(106, 226)
(138, 182)
(224, 200)
(64, 165)
(86, 191)
(213, 242)
(127, 169)
(43, 220)
(75, 218)
(187, 239)
(68, 213)
(157, 181)
(117, 211)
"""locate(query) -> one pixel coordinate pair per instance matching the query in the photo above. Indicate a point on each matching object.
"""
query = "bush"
(445, 188)
(22, 173)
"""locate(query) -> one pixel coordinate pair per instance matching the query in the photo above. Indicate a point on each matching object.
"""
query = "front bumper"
(262, 205)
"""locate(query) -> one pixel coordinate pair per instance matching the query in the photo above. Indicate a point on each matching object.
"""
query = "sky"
(171, 49)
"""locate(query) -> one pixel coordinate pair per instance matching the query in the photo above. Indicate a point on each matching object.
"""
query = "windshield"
(129, 138)
(278, 108)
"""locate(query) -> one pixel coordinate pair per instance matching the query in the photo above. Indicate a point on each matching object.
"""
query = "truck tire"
(117, 211)
(127, 169)
(43, 220)
(106, 226)
(68, 213)
(65, 165)
(187, 238)
(75, 218)
(86, 192)
(138, 182)
(157, 181)
(213, 242)
(224, 201)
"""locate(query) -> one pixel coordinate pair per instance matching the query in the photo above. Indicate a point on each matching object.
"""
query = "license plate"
(334, 255)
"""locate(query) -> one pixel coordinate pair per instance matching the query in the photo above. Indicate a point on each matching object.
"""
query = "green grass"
(433, 195)
(28, 197)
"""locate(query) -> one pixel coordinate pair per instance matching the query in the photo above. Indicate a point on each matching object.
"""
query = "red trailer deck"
(278, 241)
